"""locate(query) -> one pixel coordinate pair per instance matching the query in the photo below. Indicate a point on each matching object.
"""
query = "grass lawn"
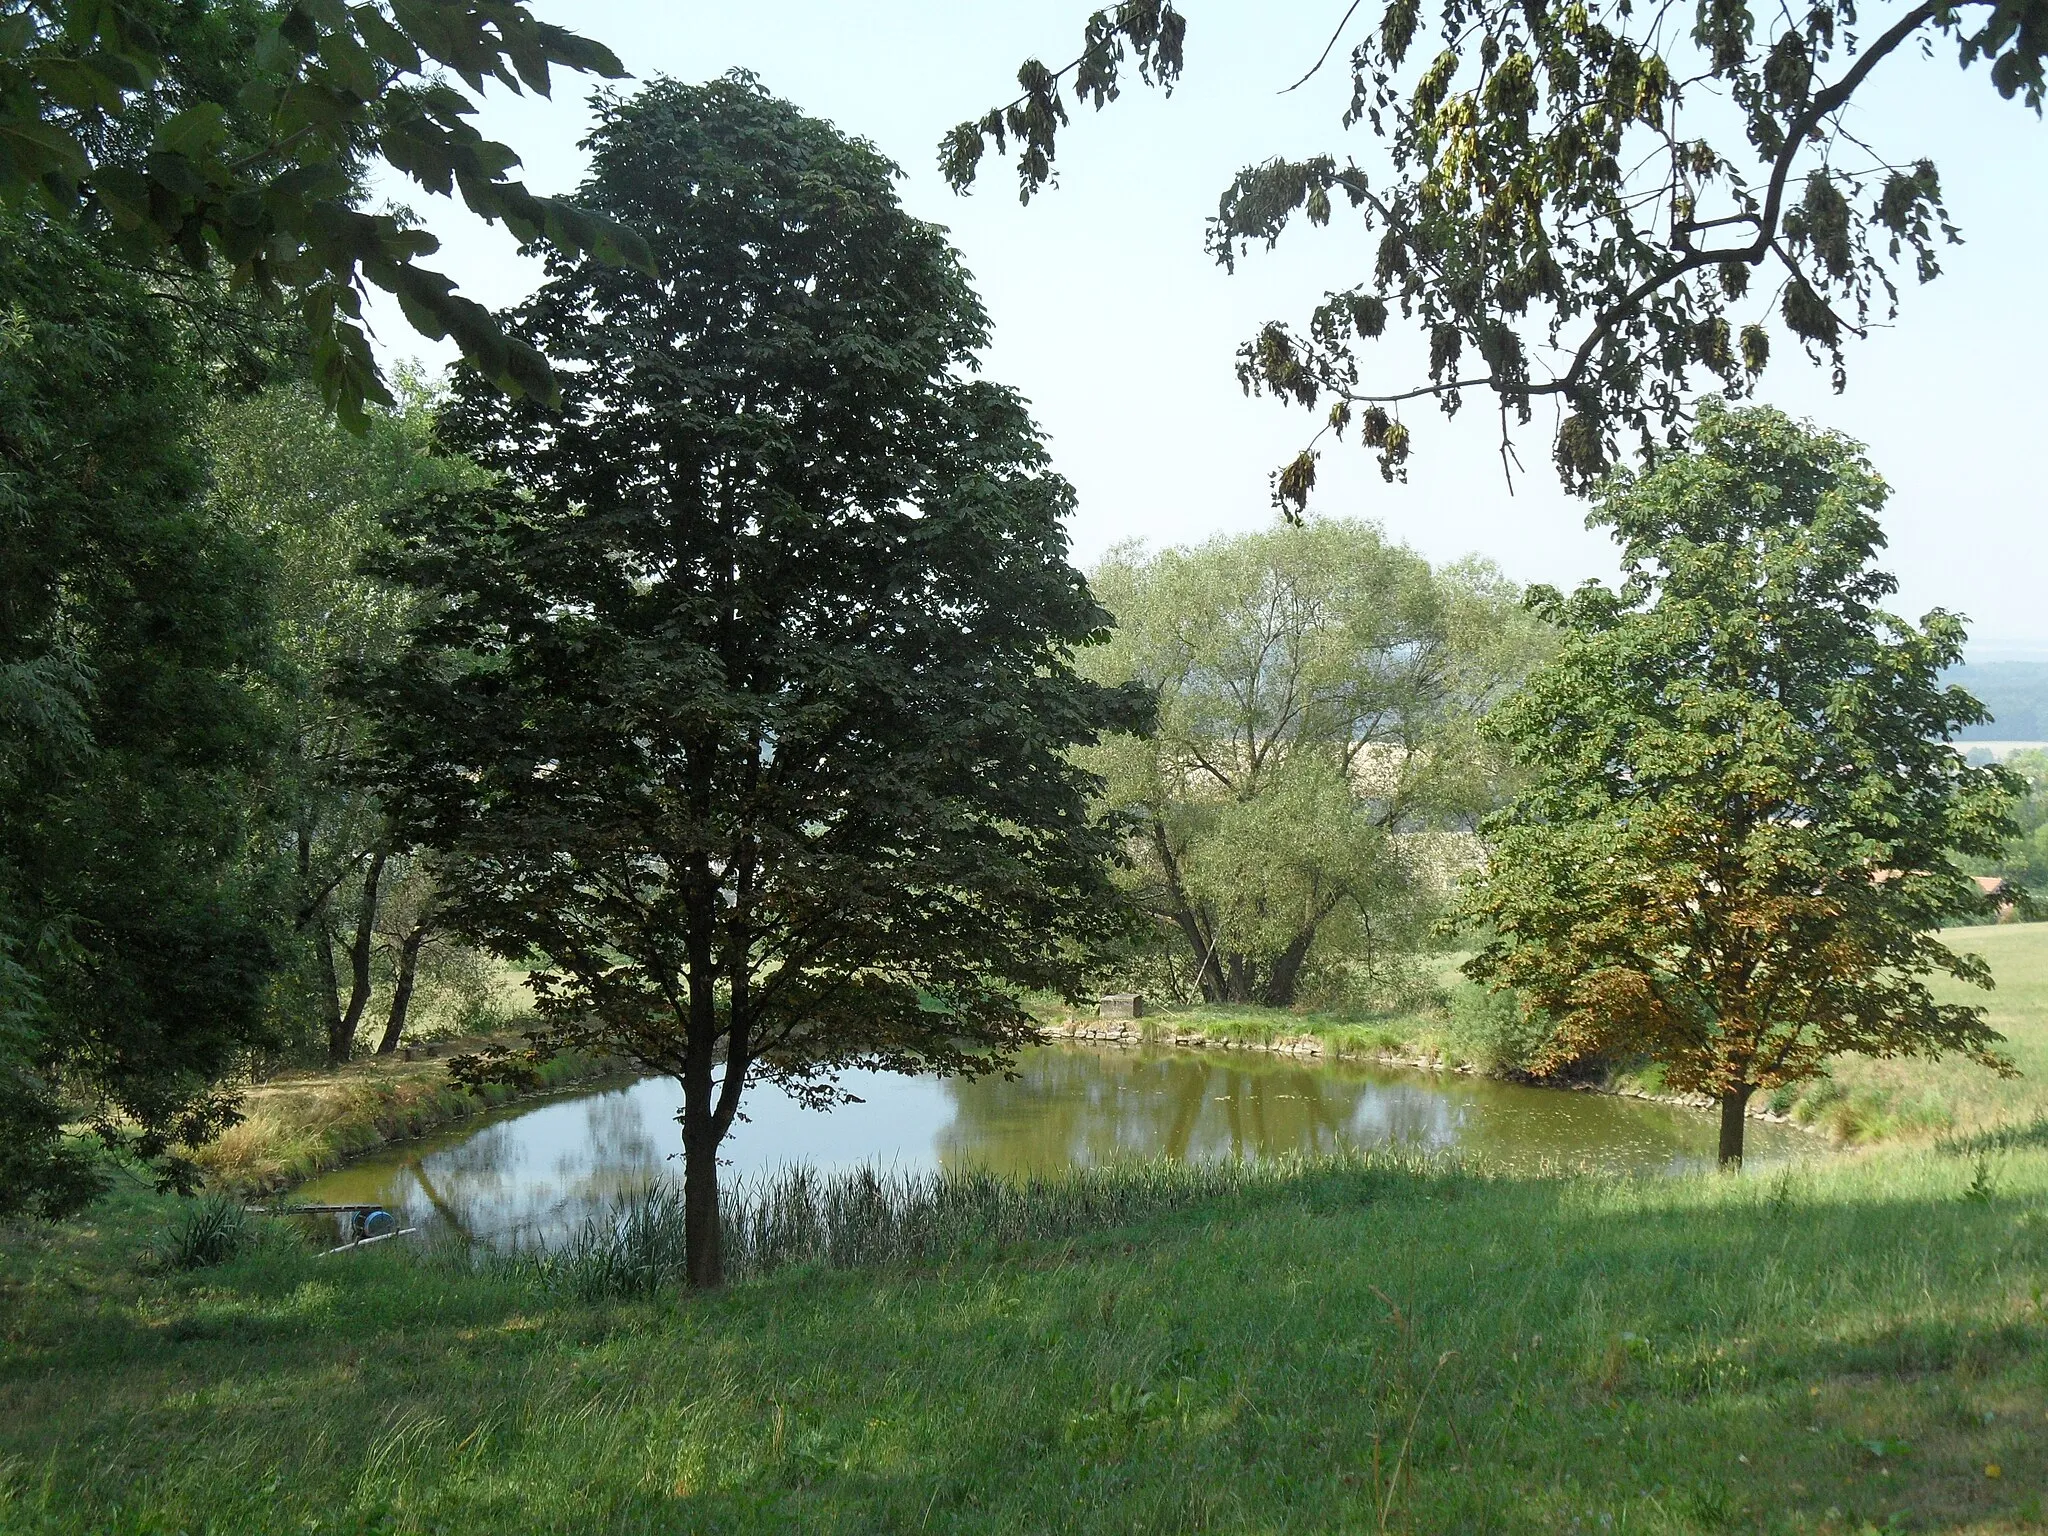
(1957, 1095)
(1857, 1346)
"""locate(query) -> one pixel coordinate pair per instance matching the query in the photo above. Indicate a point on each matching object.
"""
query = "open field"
(1860, 1346)
(1957, 1096)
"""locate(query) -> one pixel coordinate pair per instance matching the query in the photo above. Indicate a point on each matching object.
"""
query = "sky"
(1113, 321)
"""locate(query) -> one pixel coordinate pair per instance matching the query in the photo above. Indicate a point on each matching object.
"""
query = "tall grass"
(868, 1216)
(204, 1232)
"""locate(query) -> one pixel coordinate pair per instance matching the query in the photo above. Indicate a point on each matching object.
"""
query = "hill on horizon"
(2016, 693)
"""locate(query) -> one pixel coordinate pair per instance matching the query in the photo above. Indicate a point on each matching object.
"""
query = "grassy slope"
(301, 1124)
(1960, 1094)
(1856, 1343)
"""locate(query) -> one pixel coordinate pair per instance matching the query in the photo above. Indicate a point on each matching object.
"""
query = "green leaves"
(1546, 199)
(137, 863)
(253, 154)
(1293, 809)
(1150, 31)
(749, 703)
(1737, 837)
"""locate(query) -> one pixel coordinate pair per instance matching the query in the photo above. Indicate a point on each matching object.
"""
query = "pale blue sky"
(1112, 320)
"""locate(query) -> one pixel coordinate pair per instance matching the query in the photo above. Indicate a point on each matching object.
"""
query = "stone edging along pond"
(1137, 1032)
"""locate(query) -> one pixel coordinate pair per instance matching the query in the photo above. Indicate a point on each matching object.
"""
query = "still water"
(536, 1170)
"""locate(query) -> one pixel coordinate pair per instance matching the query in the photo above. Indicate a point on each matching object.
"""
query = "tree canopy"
(1592, 204)
(236, 133)
(748, 701)
(314, 496)
(1315, 774)
(1737, 840)
(139, 892)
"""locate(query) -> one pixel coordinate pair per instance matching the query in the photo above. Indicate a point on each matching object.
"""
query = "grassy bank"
(303, 1123)
(1859, 1101)
(1858, 1346)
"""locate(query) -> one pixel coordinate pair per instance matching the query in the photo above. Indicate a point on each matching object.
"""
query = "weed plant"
(204, 1232)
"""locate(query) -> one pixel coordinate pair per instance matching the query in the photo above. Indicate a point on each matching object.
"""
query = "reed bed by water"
(867, 1216)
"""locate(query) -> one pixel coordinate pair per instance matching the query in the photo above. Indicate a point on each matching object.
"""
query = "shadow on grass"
(2030, 1136)
(1348, 1350)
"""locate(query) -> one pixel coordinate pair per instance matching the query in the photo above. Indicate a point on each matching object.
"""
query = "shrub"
(1491, 1029)
(204, 1232)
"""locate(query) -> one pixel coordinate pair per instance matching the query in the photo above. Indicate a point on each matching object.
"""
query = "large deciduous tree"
(138, 882)
(1737, 840)
(1314, 772)
(748, 700)
(1595, 206)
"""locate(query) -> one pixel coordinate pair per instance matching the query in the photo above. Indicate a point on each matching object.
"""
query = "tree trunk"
(401, 992)
(1208, 974)
(702, 1236)
(1239, 974)
(330, 981)
(1734, 1105)
(342, 1023)
(1286, 974)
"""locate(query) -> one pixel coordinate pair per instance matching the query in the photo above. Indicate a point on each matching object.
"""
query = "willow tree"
(747, 701)
(1738, 836)
(1314, 759)
(1587, 208)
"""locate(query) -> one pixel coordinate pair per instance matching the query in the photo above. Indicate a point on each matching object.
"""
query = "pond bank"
(304, 1123)
(1371, 1045)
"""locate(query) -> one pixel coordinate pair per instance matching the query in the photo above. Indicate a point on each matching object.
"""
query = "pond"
(536, 1170)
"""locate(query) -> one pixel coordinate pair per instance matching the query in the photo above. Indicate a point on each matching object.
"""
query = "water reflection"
(538, 1170)
(1070, 1107)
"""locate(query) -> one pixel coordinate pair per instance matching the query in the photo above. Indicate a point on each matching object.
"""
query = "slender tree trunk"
(1734, 1105)
(342, 1023)
(401, 991)
(330, 981)
(1208, 973)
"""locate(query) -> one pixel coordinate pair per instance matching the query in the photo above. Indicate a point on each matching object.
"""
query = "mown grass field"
(1858, 1346)
(1957, 1096)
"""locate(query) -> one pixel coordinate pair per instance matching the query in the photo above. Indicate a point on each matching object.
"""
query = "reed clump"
(868, 1216)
